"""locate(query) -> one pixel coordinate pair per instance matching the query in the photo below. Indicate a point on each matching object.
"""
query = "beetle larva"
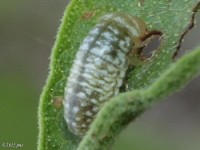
(99, 68)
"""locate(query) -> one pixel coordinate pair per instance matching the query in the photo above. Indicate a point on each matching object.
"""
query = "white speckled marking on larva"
(100, 67)
(75, 109)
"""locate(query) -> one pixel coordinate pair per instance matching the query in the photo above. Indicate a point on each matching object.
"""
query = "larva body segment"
(99, 68)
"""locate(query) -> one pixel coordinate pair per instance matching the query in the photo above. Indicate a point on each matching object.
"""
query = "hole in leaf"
(191, 39)
(151, 44)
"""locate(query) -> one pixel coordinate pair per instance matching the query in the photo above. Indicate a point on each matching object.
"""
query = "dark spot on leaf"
(87, 15)
(58, 102)
(141, 2)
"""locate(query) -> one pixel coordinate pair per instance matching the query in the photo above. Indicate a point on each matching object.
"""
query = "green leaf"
(155, 76)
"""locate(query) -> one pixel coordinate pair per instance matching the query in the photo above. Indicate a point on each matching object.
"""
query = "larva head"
(134, 25)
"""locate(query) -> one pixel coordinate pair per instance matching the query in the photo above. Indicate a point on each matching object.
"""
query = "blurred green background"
(27, 33)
